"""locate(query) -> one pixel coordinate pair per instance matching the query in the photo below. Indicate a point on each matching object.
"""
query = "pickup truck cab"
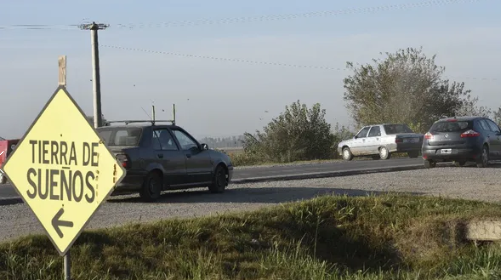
(6, 149)
(380, 141)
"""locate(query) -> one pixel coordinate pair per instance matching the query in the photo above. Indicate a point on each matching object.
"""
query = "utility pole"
(61, 61)
(62, 70)
(96, 76)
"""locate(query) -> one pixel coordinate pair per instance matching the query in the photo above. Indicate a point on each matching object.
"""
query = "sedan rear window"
(119, 136)
(397, 128)
(448, 126)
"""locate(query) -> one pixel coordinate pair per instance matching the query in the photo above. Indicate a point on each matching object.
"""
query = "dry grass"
(240, 158)
(383, 237)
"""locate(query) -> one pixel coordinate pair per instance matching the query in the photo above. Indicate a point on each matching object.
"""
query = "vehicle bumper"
(456, 154)
(132, 182)
(405, 147)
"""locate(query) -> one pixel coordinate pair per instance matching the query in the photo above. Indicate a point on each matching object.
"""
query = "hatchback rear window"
(125, 137)
(447, 126)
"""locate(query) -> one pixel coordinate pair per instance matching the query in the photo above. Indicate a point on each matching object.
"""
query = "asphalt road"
(445, 181)
(7, 191)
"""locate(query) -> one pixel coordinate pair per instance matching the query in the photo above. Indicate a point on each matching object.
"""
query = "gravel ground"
(467, 182)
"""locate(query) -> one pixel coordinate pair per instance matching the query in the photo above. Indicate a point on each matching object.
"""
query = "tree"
(405, 87)
(297, 134)
(342, 133)
(497, 116)
(470, 108)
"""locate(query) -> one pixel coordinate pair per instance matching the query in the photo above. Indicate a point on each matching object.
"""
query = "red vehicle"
(6, 148)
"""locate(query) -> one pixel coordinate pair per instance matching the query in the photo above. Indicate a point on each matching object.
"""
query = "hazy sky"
(228, 98)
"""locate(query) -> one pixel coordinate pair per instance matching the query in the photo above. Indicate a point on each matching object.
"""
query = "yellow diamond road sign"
(62, 170)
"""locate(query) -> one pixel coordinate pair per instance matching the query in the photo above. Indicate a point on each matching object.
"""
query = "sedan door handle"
(188, 155)
(160, 155)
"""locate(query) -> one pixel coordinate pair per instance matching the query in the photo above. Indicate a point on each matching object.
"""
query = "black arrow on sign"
(57, 223)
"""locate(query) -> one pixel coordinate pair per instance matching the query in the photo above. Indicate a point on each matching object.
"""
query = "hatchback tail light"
(428, 135)
(470, 133)
(124, 160)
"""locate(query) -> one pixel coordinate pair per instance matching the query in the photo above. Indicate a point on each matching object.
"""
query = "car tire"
(429, 164)
(347, 155)
(384, 153)
(152, 187)
(484, 158)
(460, 163)
(219, 180)
(413, 154)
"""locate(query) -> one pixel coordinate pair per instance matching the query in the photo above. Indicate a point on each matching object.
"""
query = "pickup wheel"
(429, 164)
(220, 180)
(347, 155)
(152, 187)
(384, 153)
(413, 154)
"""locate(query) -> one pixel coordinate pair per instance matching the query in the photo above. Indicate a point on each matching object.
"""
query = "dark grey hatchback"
(462, 139)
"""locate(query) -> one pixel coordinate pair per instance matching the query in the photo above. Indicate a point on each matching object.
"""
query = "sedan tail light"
(124, 160)
(470, 133)
(428, 135)
(399, 140)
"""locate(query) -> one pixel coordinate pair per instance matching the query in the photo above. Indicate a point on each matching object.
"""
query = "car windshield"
(397, 128)
(120, 136)
(448, 126)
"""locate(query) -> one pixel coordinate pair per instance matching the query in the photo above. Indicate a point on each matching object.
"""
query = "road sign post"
(63, 171)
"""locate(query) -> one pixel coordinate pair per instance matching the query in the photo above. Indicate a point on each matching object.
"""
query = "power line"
(295, 16)
(41, 26)
(254, 18)
(258, 62)
(225, 59)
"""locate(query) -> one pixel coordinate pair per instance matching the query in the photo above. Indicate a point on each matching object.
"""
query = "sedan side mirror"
(204, 146)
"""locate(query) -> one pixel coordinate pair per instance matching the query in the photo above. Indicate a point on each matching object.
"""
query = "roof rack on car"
(153, 122)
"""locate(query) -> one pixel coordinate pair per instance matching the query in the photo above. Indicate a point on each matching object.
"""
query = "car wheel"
(483, 161)
(413, 154)
(347, 155)
(384, 153)
(459, 163)
(219, 181)
(429, 164)
(152, 187)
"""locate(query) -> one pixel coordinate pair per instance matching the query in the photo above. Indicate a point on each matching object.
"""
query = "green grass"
(330, 237)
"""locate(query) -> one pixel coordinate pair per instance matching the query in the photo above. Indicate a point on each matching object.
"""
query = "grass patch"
(330, 237)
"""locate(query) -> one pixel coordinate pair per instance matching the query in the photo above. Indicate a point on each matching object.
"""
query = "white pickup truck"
(380, 141)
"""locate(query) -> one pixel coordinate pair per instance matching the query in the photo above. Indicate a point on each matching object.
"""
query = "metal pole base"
(67, 267)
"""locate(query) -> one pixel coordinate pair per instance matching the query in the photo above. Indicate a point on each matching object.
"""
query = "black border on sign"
(63, 88)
